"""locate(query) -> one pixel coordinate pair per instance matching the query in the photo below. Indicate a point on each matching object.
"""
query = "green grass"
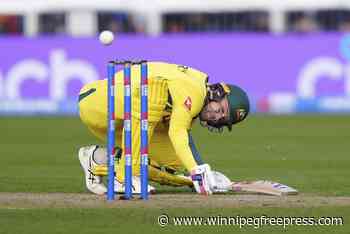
(91, 221)
(310, 153)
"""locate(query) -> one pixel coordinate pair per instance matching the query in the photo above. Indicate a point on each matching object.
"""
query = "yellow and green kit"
(176, 95)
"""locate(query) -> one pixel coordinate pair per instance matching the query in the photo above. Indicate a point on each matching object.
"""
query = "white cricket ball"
(106, 37)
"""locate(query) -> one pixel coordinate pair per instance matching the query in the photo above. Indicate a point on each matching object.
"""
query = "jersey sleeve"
(180, 124)
(178, 133)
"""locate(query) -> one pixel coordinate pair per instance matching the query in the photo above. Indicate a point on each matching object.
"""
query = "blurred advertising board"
(281, 74)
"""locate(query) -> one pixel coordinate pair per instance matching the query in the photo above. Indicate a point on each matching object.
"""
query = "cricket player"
(177, 96)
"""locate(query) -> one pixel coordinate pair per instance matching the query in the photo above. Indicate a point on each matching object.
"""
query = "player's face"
(215, 111)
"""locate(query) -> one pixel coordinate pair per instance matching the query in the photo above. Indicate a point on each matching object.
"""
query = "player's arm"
(184, 94)
(201, 175)
(178, 133)
(187, 91)
(194, 150)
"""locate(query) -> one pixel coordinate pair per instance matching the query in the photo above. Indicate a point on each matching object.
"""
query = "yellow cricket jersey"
(176, 95)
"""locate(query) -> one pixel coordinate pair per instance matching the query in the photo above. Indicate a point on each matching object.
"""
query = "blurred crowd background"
(301, 21)
(306, 18)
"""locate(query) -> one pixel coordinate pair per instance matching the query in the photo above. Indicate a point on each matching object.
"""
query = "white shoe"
(93, 182)
(136, 186)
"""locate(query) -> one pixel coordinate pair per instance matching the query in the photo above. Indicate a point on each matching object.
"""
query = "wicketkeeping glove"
(203, 179)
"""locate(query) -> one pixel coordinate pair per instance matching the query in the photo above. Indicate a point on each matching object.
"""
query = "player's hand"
(203, 179)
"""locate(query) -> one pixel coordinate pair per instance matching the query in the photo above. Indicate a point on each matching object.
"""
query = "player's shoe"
(136, 186)
(93, 182)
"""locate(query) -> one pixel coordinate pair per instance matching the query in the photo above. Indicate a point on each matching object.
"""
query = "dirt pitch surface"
(82, 200)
